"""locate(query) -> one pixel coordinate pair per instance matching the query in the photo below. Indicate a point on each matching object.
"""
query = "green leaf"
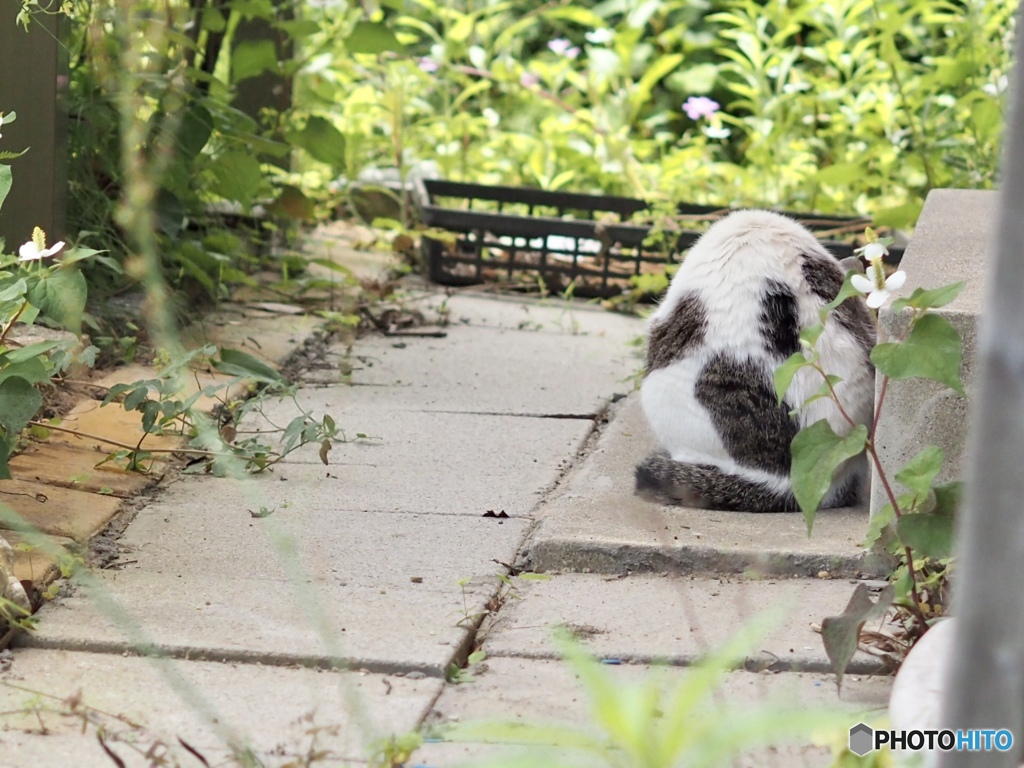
(949, 495)
(371, 37)
(641, 92)
(322, 141)
(919, 473)
(61, 296)
(14, 291)
(19, 403)
(840, 173)
(845, 291)
(6, 179)
(33, 370)
(900, 216)
(693, 79)
(784, 374)
(929, 299)
(841, 633)
(252, 58)
(238, 363)
(582, 16)
(236, 176)
(135, 398)
(931, 351)
(27, 353)
(877, 524)
(817, 453)
(928, 534)
(195, 131)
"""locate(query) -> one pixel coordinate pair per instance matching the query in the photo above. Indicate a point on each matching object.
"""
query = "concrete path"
(309, 612)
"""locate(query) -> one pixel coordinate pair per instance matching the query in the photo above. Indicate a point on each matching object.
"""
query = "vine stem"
(3, 336)
(915, 598)
(117, 444)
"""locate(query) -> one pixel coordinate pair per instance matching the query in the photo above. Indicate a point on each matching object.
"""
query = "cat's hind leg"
(661, 479)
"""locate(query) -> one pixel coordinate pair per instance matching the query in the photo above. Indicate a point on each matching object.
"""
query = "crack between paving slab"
(750, 663)
(236, 656)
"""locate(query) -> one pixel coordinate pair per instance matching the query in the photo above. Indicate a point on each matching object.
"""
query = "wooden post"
(984, 688)
(34, 85)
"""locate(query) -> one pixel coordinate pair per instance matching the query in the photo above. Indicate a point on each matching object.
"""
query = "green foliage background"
(844, 106)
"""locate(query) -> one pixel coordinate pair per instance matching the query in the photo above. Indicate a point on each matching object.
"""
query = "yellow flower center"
(39, 239)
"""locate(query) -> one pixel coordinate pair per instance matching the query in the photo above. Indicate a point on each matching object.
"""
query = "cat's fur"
(732, 314)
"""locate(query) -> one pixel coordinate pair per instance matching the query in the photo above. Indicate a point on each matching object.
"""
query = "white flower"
(599, 36)
(716, 132)
(874, 284)
(36, 249)
(876, 294)
(874, 251)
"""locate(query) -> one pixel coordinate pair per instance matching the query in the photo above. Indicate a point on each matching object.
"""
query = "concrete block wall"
(950, 243)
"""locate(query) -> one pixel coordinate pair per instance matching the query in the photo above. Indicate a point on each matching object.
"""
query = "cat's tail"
(663, 480)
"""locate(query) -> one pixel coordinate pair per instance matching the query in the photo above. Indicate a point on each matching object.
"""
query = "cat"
(732, 313)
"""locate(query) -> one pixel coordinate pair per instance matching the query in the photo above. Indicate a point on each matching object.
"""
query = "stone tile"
(312, 622)
(423, 462)
(378, 589)
(595, 522)
(183, 534)
(56, 463)
(546, 692)
(38, 563)
(546, 316)
(73, 514)
(112, 422)
(487, 370)
(341, 713)
(267, 336)
(653, 618)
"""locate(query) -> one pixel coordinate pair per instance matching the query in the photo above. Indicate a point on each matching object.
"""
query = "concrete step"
(595, 523)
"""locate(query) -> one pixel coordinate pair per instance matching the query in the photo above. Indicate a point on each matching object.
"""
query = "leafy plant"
(916, 526)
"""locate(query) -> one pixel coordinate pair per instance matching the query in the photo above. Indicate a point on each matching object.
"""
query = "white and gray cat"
(733, 312)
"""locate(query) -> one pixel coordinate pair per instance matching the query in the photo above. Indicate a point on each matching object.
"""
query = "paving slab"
(256, 329)
(546, 692)
(60, 464)
(182, 533)
(64, 512)
(673, 619)
(379, 590)
(488, 370)
(425, 462)
(341, 713)
(34, 562)
(596, 523)
(553, 316)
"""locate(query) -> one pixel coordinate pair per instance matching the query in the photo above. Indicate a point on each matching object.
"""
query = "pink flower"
(697, 107)
(562, 47)
(428, 65)
(528, 79)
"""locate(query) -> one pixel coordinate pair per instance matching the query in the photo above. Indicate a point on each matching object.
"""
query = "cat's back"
(742, 280)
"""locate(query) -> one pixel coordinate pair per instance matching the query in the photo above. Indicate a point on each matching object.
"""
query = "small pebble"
(416, 579)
